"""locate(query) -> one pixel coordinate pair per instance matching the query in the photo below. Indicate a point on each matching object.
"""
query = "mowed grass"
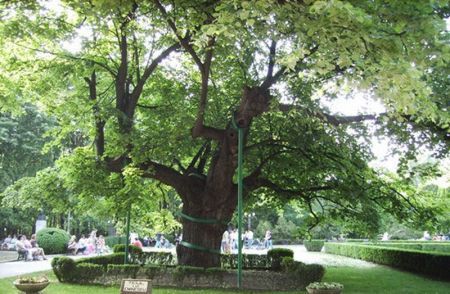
(378, 279)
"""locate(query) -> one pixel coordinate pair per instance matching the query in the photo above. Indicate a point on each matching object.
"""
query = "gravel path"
(300, 254)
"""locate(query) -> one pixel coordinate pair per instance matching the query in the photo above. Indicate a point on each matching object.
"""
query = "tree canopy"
(156, 88)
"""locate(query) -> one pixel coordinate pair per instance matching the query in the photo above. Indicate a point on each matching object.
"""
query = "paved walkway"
(17, 268)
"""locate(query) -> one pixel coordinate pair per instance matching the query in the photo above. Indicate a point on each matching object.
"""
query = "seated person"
(6, 242)
(72, 247)
(137, 243)
(38, 252)
(20, 247)
(82, 244)
(12, 244)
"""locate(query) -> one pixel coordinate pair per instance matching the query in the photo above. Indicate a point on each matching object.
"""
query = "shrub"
(85, 272)
(131, 248)
(307, 272)
(433, 264)
(128, 270)
(276, 255)
(64, 268)
(53, 240)
(249, 261)
(288, 264)
(310, 272)
(104, 260)
(159, 258)
(152, 270)
(313, 245)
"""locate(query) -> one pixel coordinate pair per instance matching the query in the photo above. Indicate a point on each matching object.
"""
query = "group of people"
(90, 245)
(9, 243)
(230, 240)
(30, 248)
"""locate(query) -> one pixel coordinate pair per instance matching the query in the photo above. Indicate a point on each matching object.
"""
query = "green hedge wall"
(436, 265)
(421, 246)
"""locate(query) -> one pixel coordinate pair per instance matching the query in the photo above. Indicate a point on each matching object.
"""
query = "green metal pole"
(128, 233)
(240, 189)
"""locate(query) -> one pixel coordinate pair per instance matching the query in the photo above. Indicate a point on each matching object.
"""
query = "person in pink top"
(137, 243)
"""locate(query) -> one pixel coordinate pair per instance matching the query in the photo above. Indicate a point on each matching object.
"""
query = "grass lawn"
(378, 279)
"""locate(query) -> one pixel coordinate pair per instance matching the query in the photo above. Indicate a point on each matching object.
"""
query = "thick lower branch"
(200, 130)
(162, 173)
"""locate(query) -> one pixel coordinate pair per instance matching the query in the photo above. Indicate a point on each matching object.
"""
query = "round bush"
(118, 248)
(53, 240)
(313, 245)
(276, 255)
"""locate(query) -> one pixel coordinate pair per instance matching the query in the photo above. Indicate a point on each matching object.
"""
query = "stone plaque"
(132, 286)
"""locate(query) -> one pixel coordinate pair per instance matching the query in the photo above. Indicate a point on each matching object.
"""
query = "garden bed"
(109, 270)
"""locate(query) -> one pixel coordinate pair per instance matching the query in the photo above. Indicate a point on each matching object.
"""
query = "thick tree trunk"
(207, 237)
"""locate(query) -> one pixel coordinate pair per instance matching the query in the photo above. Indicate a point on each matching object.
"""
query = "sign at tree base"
(132, 286)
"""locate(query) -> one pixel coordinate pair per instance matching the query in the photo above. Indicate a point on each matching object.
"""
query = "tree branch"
(99, 123)
(183, 41)
(134, 97)
(162, 173)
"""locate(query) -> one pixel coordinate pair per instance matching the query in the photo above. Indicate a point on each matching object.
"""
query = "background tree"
(158, 87)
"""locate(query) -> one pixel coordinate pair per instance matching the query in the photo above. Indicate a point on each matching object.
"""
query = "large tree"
(160, 87)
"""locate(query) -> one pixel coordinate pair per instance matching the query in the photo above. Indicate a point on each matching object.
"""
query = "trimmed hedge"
(249, 261)
(104, 260)
(53, 240)
(131, 248)
(421, 246)
(313, 245)
(157, 258)
(276, 255)
(127, 270)
(436, 265)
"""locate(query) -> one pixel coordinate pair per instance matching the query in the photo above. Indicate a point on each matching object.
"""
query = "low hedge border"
(187, 277)
(421, 246)
(432, 264)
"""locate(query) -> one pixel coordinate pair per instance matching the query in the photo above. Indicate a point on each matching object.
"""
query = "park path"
(17, 268)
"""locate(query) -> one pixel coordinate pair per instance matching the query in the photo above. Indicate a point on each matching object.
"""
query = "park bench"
(22, 254)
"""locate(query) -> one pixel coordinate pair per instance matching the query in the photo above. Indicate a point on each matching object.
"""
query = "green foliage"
(307, 272)
(131, 248)
(123, 270)
(111, 241)
(22, 138)
(443, 247)
(313, 245)
(431, 264)
(64, 268)
(288, 264)
(276, 255)
(249, 261)
(395, 51)
(86, 272)
(157, 258)
(53, 240)
(104, 260)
